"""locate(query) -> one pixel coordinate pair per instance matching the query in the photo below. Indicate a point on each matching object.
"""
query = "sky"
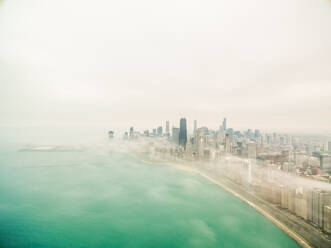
(262, 64)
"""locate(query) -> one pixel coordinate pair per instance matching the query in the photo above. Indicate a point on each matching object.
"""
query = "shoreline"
(289, 232)
(297, 238)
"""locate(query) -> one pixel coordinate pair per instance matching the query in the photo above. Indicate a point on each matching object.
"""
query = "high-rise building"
(195, 127)
(325, 162)
(329, 146)
(159, 131)
(167, 128)
(183, 133)
(175, 135)
(224, 123)
(200, 142)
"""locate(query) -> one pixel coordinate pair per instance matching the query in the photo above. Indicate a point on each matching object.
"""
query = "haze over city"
(262, 64)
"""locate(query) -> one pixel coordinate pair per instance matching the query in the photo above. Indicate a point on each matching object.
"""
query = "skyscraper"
(182, 133)
(195, 127)
(224, 123)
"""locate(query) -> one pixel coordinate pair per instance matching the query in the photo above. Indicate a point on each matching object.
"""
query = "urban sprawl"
(288, 176)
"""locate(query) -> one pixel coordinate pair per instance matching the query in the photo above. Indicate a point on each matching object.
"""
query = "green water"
(105, 198)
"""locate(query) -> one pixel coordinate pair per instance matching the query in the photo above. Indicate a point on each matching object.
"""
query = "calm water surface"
(103, 197)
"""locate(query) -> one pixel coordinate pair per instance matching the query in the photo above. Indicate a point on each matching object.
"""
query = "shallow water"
(103, 197)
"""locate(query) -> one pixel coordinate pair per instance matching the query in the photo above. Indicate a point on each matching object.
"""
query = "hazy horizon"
(261, 64)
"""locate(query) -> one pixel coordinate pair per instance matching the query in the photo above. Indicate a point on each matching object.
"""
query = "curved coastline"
(298, 239)
(281, 226)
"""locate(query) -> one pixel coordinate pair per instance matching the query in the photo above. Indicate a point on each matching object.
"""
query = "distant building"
(227, 145)
(327, 219)
(167, 128)
(195, 127)
(110, 134)
(146, 133)
(175, 135)
(159, 131)
(183, 133)
(251, 150)
(200, 142)
(126, 136)
(131, 133)
(224, 124)
(325, 162)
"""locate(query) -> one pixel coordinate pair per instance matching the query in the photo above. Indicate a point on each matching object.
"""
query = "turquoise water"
(106, 198)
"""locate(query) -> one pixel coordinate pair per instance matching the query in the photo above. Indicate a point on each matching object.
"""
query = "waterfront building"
(320, 199)
(284, 197)
(291, 199)
(327, 219)
(126, 136)
(183, 133)
(301, 203)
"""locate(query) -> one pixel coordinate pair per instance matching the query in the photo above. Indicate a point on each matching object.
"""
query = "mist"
(263, 64)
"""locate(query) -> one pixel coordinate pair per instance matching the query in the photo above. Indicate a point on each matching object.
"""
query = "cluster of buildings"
(302, 155)
(265, 162)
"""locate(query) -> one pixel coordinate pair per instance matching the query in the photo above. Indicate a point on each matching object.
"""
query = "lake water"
(103, 197)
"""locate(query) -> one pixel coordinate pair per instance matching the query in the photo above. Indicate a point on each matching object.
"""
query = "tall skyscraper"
(195, 127)
(182, 133)
(224, 123)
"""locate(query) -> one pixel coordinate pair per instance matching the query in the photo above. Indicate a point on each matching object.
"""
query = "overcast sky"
(262, 64)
